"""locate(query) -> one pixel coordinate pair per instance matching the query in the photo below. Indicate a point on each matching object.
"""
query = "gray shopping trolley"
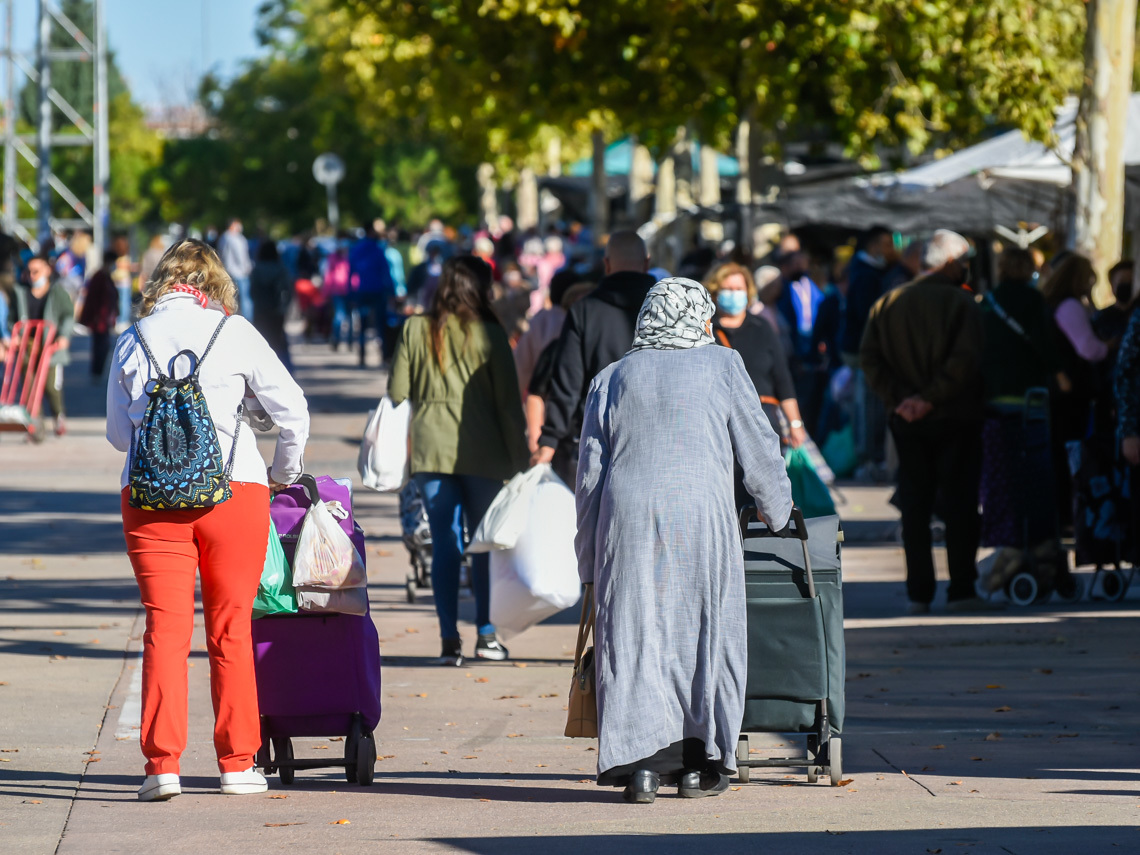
(796, 654)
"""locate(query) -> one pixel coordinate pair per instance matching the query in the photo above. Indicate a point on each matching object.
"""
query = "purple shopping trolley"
(317, 674)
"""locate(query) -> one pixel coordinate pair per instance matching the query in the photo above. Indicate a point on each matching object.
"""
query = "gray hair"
(942, 248)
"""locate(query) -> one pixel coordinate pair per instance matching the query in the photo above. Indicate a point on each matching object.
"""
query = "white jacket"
(240, 358)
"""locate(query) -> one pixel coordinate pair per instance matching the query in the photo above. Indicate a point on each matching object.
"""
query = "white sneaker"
(159, 788)
(243, 783)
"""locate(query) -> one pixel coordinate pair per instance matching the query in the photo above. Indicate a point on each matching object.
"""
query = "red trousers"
(226, 543)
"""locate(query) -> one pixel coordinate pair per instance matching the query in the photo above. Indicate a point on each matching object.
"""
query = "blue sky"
(163, 47)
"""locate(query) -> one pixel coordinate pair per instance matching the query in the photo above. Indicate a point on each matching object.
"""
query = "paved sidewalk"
(1013, 733)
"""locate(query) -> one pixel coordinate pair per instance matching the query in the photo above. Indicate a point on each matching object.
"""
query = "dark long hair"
(1073, 277)
(464, 290)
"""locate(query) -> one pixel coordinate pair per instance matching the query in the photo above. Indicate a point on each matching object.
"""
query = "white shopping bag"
(539, 576)
(507, 517)
(326, 557)
(383, 460)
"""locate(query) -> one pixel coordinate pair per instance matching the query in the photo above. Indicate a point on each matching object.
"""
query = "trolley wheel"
(351, 741)
(1022, 589)
(813, 758)
(410, 590)
(263, 757)
(1113, 586)
(835, 760)
(283, 750)
(1070, 589)
(365, 759)
(1044, 592)
(743, 772)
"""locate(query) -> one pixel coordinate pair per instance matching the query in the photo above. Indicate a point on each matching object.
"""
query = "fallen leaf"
(937, 747)
(540, 766)
(845, 782)
(506, 697)
(388, 757)
(278, 796)
(422, 695)
(341, 822)
(993, 737)
(520, 664)
(320, 747)
(927, 768)
(1067, 735)
(336, 739)
(9, 750)
(57, 656)
(973, 791)
(384, 553)
(411, 630)
(994, 686)
(92, 760)
(482, 680)
(5, 759)
(1004, 709)
(513, 735)
(977, 759)
(736, 789)
(281, 824)
(470, 757)
(1044, 670)
(484, 800)
(551, 695)
(59, 632)
(442, 752)
(933, 851)
(954, 784)
(3, 684)
(32, 802)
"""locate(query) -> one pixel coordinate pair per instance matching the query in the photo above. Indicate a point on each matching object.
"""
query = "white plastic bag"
(325, 556)
(539, 576)
(343, 601)
(383, 461)
(507, 517)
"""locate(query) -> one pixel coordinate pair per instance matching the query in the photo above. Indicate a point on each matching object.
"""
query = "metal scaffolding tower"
(91, 130)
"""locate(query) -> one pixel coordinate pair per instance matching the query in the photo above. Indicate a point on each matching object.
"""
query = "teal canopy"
(619, 161)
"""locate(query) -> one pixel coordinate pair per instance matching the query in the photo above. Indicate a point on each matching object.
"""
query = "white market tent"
(1003, 181)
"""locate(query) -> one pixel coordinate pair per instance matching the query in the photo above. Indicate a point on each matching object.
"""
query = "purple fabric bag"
(314, 671)
(288, 510)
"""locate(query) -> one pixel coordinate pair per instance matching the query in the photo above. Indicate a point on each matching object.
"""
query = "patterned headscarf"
(674, 315)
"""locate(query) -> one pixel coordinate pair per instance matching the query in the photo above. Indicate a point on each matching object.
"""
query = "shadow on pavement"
(43, 522)
(987, 840)
(99, 597)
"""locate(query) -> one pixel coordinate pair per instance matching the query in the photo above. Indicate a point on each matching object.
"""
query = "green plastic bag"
(839, 451)
(275, 594)
(808, 490)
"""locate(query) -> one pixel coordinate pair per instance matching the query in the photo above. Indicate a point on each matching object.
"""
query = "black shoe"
(694, 785)
(488, 647)
(642, 787)
(452, 652)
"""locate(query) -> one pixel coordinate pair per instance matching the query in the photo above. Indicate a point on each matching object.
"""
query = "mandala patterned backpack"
(177, 461)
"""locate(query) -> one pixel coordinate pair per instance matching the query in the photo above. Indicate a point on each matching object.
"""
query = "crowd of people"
(524, 349)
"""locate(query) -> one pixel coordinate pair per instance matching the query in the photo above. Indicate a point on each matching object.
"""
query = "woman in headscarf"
(658, 538)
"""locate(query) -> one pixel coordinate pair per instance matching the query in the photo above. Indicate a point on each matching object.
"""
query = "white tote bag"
(507, 517)
(383, 460)
(538, 577)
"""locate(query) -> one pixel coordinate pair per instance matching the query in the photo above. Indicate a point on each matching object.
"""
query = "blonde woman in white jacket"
(183, 304)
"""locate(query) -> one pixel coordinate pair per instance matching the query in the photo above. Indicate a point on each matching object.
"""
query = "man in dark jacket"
(598, 331)
(921, 354)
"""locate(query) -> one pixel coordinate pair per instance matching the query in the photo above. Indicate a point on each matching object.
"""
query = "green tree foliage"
(873, 74)
(271, 122)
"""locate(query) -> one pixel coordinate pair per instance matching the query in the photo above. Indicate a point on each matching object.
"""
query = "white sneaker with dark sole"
(159, 788)
(245, 783)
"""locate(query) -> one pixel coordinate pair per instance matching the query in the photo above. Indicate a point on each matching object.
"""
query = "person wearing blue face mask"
(759, 346)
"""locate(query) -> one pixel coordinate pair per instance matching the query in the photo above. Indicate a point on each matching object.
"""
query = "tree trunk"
(744, 183)
(1098, 159)
(554, 157)
(683, 168)
(640, 183)
(527, 200)
(665, 205)
(711, 230)
(601, 202)
(488, 196)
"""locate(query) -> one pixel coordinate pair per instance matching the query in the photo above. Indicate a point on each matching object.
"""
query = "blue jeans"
(125, 304)
(342, 317)
(448, 499)
(245, 298)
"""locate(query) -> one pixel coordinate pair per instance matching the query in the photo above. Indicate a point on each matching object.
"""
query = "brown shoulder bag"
(582, 717)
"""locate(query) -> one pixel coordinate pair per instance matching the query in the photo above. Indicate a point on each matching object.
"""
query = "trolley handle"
(796, 528)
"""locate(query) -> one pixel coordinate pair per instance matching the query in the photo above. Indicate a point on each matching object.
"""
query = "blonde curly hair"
(191, 262)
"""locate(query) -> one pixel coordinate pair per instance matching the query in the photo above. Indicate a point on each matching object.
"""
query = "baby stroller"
(1103, 515)
(417, 539)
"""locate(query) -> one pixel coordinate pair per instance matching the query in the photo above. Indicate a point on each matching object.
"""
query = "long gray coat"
(658, 536)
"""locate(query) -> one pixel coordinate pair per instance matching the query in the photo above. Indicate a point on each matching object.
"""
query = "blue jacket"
(790, 305)
(370, 270)
(864, 287)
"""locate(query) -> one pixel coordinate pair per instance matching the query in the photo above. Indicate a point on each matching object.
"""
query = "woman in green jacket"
(468, 434)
